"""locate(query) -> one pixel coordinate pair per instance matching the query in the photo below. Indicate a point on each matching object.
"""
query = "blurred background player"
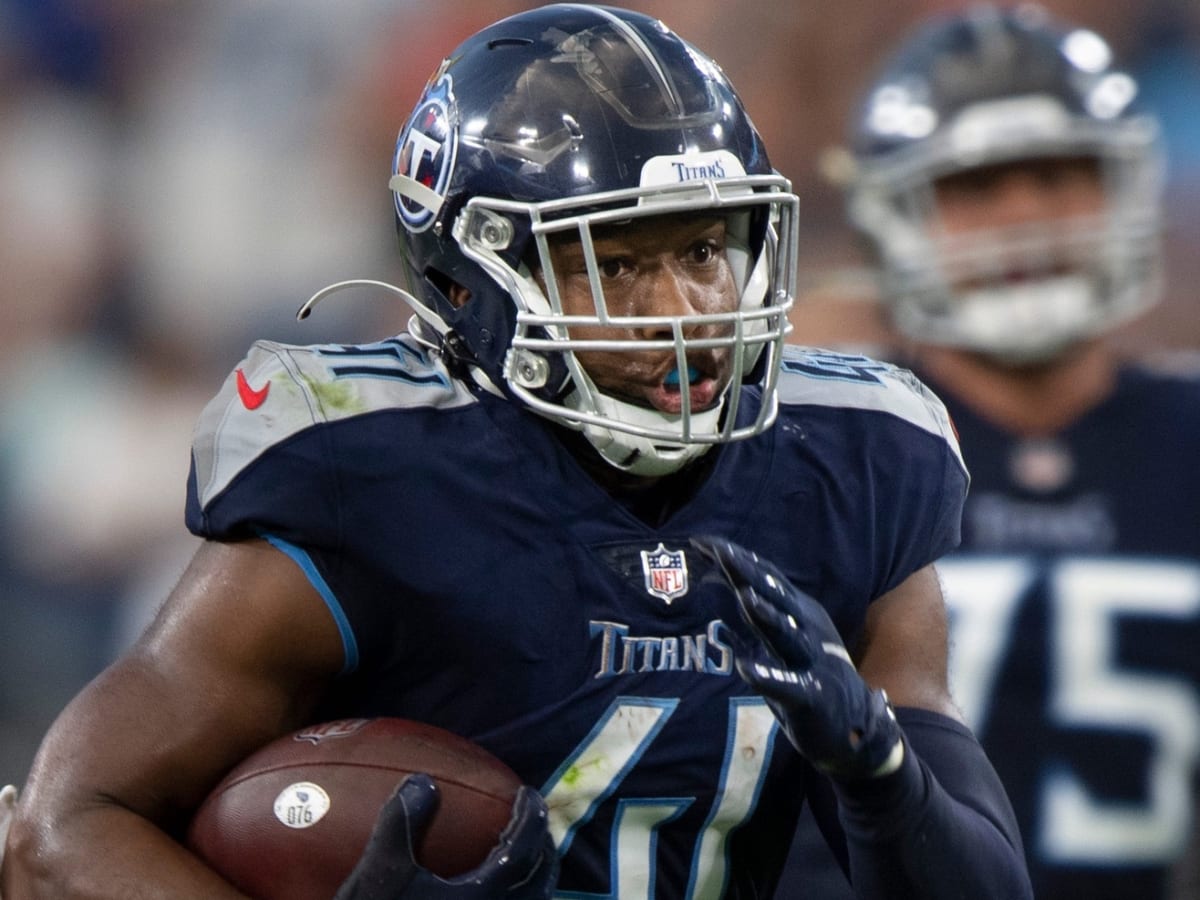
(1008, 181)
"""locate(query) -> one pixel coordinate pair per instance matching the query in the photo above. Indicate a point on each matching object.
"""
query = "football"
(291, 820)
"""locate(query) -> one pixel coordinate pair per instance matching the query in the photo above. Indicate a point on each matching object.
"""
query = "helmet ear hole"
(441, 284)
(457, 295)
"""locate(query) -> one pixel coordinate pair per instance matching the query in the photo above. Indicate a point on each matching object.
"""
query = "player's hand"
(522, 866)
(800, 666)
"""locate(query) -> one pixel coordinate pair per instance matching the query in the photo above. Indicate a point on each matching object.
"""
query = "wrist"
(883, 804)
(875, 747)
(893, 762)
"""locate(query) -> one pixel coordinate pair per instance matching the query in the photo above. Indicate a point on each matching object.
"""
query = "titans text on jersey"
(622, 653)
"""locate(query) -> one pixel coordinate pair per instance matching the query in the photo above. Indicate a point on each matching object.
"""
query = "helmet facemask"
(1019, 294)
(538, 130)
(545, 365)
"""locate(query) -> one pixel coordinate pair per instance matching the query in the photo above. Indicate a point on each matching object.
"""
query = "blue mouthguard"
(672, 379)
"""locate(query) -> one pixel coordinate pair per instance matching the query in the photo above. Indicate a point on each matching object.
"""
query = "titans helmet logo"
(425, 152)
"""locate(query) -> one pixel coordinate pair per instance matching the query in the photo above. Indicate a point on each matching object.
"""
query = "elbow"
(33, 864)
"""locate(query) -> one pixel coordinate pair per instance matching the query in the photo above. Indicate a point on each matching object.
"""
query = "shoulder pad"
(279, 390)
(1182, 364)
(815, 377)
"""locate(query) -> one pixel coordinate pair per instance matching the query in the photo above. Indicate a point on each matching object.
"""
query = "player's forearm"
(940, 827)
(105, 853)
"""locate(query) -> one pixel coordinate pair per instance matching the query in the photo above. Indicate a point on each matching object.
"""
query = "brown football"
(291, 820)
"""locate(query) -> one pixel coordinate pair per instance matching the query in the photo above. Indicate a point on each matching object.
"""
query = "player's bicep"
(904, 649)
(237, 656)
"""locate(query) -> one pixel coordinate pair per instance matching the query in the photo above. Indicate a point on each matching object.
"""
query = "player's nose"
(1021, 198)
(668, 292)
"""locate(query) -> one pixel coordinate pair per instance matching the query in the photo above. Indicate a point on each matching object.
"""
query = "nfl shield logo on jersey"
(666, 572)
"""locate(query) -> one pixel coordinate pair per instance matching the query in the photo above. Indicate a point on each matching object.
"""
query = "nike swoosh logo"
(251, 399)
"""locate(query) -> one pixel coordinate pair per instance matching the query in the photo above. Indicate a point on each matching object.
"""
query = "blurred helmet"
(556, 121)
(992, 87)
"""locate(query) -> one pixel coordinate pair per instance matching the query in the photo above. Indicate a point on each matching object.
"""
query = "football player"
(586, 512)
(1010, 186)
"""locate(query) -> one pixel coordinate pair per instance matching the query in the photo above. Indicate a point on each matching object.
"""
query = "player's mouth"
(1023, 276)
(668, 396)
(1018, 275)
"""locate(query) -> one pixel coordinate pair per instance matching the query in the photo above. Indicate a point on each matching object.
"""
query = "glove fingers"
(525, 853)
(749, 576)
(754, 659)
(795, 628)
(781, 632)
(741, 567)
(388, 865)
(776, 682)
(404, 817)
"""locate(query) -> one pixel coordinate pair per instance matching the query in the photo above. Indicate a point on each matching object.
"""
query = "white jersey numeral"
(1086, 688)
(610, 752)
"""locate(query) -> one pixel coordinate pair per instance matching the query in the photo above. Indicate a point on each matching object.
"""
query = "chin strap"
(636, 454)
(8, 807)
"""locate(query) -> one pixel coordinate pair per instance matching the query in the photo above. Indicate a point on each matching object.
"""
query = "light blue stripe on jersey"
(304, 561)
(816, 377)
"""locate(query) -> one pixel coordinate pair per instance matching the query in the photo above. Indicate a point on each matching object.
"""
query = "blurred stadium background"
(176, 178)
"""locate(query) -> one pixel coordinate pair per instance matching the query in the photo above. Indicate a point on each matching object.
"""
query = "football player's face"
(658, 266)
(1043, 191)
(1032, 217)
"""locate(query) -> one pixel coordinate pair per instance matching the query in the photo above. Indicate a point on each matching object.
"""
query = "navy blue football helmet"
(991, 87)
(555, 121)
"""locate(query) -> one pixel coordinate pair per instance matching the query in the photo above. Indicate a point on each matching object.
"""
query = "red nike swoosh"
(251, 399)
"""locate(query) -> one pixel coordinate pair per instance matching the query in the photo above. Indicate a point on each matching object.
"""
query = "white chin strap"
(8, 808)
(1027, 322)
(633, 453)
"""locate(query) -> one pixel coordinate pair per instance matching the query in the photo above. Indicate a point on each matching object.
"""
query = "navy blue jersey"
(1075, 605)
(484, 583)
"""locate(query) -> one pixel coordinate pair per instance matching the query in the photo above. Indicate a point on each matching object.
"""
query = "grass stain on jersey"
(335, 396)
(575, 773)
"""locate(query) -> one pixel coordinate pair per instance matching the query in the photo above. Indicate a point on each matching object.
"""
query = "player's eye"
(612, 267)
(704, 252)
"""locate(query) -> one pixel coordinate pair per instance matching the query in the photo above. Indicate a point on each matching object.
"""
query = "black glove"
(523, 866)
(804, 672)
